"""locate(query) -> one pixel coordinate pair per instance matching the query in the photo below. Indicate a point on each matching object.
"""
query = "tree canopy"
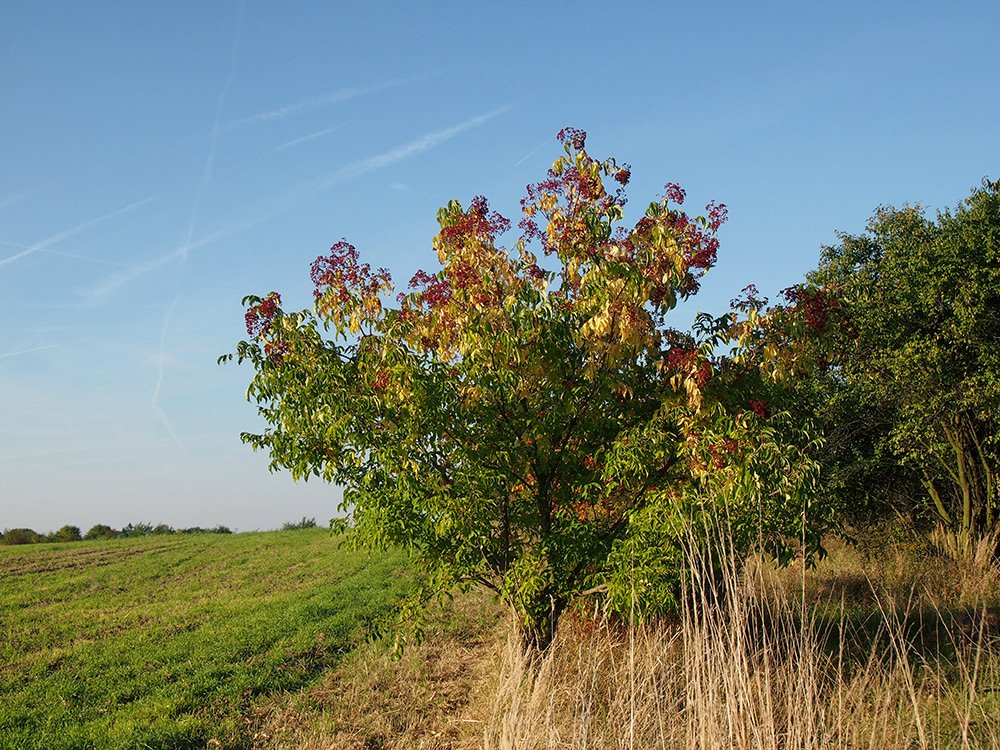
(525, 417)
(897, 335)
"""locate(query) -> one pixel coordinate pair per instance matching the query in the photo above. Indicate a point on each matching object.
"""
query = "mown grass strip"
(168, 643)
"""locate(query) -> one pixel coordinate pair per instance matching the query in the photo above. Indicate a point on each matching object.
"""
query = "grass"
(795, 659)
(255, 641)
(171, 642)
(894, 649)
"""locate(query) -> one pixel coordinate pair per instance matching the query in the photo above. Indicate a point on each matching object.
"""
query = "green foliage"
(100, 531)
(526, 424)
(66, 534)
(907, 343)
(21, 536)
(137, 529)
(305, 523)
(173, 641)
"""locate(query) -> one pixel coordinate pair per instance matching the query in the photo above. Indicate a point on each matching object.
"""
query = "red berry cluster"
(748, 299)
(814, 305)
(260, 316)
(339, 275)
(674, 192)
(717, 214)
(577, 138)
(478, 223)
(381, 380)
(436, 292)
(686, 361)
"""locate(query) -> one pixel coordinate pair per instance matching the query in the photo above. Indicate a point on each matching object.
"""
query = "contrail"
(67, 233)
(407, 150)
(531, 153)
(119, 279)
(291, 198)
(324, 100)
(91, 259)
(185, 249)
(311, 136)
(29, 351)
(206, 176)
(154, 400)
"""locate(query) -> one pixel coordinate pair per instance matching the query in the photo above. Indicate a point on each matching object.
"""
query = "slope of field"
(170, 641)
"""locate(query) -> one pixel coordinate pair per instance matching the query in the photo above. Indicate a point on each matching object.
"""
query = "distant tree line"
(102, 531)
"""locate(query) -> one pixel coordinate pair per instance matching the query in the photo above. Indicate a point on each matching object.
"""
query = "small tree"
(21, 536)
(524, 418)
(898, 333)
(66, 534)
(100, 531)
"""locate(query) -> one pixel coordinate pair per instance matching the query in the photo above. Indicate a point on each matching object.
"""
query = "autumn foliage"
(525, 417)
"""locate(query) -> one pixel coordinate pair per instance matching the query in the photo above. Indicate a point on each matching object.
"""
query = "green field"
(171, 641)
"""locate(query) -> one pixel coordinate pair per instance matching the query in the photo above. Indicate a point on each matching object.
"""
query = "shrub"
(66, 534)
(305, 523)
(100, 531)
(21, 536)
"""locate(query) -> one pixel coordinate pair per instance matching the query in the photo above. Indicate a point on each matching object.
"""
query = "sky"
(159, 161)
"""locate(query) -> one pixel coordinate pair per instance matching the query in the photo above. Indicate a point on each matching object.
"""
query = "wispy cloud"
(90, 259)
(19, 352)
(531, 153)
(67, 233)
(288, 200)
(323, 100)
(161, 361)
(407, 150)
(185, 249)
(118, 279)
(311, 136)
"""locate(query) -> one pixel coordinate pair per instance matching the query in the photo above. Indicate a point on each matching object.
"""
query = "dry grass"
(890, 651)
(425, 700)
(772, 669)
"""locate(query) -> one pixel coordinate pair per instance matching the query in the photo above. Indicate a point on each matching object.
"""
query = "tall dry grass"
(762, 671)
(892, 650)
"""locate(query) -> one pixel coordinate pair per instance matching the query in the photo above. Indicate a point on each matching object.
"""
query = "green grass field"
(171, 641)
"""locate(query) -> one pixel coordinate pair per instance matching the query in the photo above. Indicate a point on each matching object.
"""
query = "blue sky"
(160, 161)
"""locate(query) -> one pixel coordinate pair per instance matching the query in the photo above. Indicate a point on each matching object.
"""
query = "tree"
(901, 328)
(66, 534)
(21, 536)
(100, 531)
(525, 418)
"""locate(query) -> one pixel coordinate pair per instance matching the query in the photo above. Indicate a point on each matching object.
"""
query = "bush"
(137, 529)
(21, 536)
(100, 531)
(305, 523)
(66, 534)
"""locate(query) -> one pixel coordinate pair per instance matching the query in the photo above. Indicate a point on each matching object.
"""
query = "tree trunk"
(537, 634)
